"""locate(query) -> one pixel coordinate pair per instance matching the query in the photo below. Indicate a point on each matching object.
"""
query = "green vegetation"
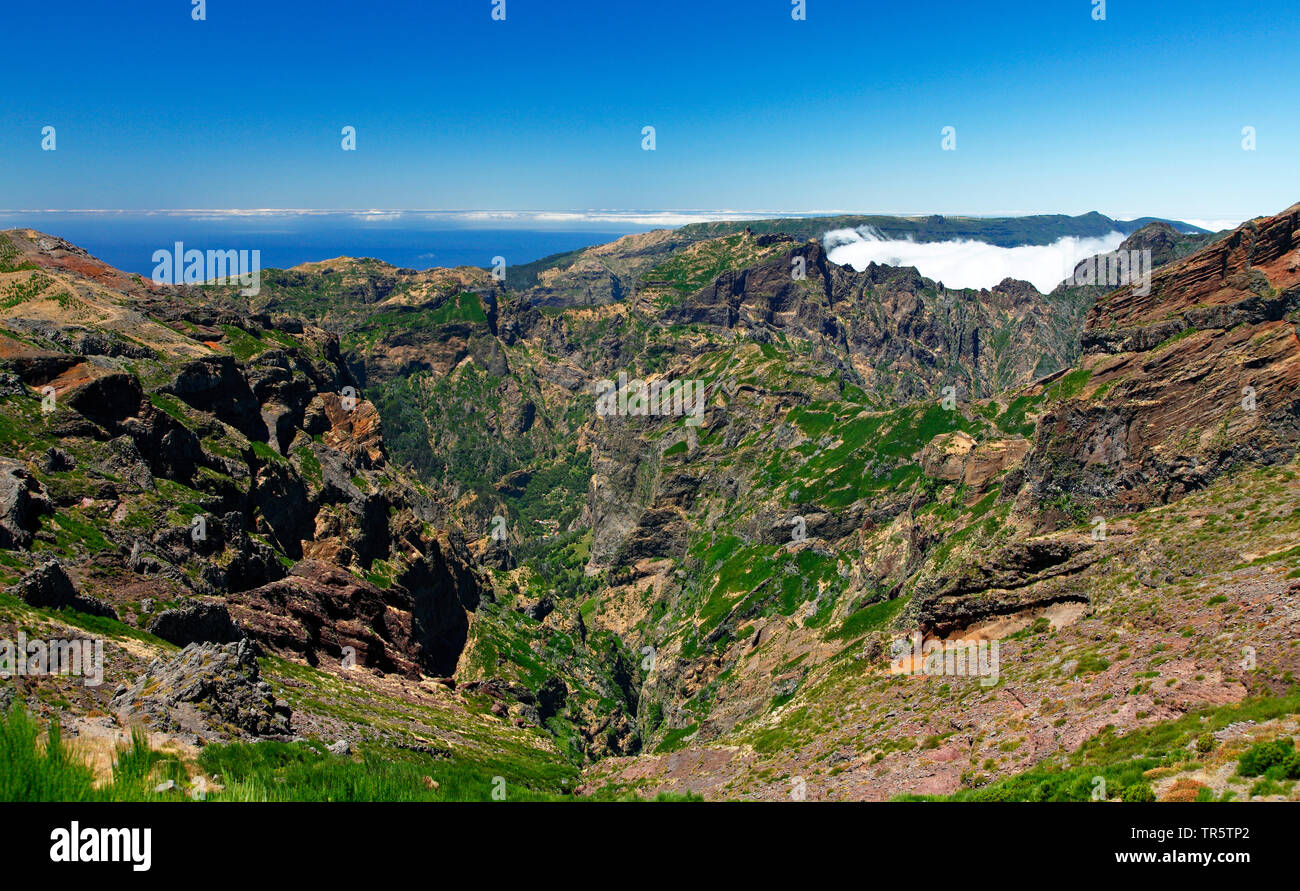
(1068, 385)
(242, 345)
(1168, 341)
(9, 256)
(872, 451)
(1276, 760)
(305, 771)
(1014, 419)
(869, 618)
(677, 738)
(32, 771)
(267, 454)
(1138, 792)
(463, 307)
(687, 271)
(1123, 760)
(1091, 663)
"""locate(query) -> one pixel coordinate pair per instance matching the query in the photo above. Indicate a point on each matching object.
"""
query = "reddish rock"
(1189, 380)
(323, 613)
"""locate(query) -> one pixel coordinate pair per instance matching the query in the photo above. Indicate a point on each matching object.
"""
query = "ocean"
(128, 240)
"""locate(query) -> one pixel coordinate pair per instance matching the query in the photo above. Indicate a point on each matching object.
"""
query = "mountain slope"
(706, 606)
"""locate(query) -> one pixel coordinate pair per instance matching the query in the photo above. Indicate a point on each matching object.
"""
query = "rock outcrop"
(48, 586)
(206, 686)
(22, 501)
(323, 613)
(206, 621)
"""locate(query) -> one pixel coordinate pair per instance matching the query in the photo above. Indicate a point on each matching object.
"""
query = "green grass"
(1091, 663)
(1068, 386)
(464, 307)
(1014, 419)
(22, 424)
(242, 345)
(1100, 392)
(263, 771)
(30, 771)
(869, 618)
(675, 739)
(171, 405)
(71, 532)
(874, 452)
(309, 464)
(266, 453)
(305, 771)
(1186, 332)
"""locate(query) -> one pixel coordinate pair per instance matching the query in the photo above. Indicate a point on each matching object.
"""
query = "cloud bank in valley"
(968, 264)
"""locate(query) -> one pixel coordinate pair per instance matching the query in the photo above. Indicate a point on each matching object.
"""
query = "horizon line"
(648, 218)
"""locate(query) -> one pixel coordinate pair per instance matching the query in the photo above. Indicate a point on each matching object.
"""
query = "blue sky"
(1054, 112)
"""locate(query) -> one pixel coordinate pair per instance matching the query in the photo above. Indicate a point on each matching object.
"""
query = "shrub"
(1138, 792)
(1276, 759)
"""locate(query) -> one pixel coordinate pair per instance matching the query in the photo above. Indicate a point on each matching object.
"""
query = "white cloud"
(968, 264)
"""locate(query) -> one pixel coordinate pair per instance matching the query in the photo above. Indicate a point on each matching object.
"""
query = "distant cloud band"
(968, 264)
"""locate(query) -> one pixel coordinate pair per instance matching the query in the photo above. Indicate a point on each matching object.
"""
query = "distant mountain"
(606, 273)
(999, 231)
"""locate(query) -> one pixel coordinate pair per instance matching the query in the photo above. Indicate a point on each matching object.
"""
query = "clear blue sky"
(1054, 112)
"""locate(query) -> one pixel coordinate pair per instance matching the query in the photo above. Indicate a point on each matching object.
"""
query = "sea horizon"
(415, 239)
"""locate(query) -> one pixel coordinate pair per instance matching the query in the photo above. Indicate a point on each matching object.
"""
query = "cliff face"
(1186, 382)
(902, 335)
(1256, 260)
